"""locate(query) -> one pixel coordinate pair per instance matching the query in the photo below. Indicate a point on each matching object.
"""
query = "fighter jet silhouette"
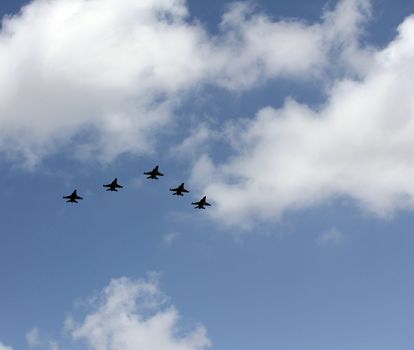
(73, 197)
(113, 186)
(179, 190)
(153, 173)
(201, 203)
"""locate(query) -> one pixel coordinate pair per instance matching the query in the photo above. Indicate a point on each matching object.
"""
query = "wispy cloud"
(35, 340)
(4, 347)
(170, 238)
(333, 237)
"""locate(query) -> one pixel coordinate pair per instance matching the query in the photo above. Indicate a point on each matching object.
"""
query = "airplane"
(201, 203)
(113, 186)
(153, 173)
(72, 198)
(179, 190)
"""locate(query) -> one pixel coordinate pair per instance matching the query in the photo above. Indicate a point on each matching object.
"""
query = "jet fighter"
(201, 203)
(73, 197)
(113, 186)
(153, 173)
(179, 190)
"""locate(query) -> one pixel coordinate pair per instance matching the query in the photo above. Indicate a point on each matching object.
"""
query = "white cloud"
(359, 144)
(259, 48)
(106, 67)
(170, 238)
(33, 338)
(133, 314)
(53, 345)
(333, 237)
(343, 29)
(195, 143)
(100, 77)
(4, 347)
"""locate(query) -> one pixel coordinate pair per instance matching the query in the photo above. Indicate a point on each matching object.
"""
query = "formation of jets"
(153, 174)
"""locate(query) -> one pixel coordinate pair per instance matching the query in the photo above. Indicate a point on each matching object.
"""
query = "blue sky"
(296, 121)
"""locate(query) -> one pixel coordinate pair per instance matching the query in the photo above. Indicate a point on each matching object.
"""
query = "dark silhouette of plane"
(113, 186)
(153, 173)
(201, 203)
(72, 198)
(179, 190)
